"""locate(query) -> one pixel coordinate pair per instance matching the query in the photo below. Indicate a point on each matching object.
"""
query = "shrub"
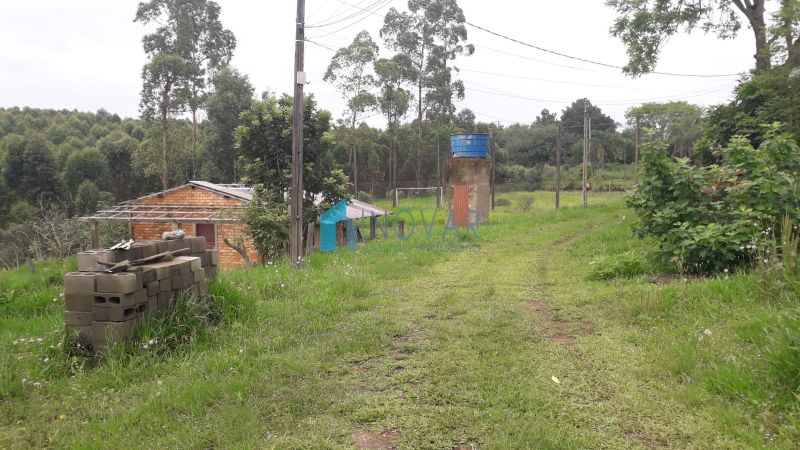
(711, 218)
(502, 202)
(365, 197)
(525, 204)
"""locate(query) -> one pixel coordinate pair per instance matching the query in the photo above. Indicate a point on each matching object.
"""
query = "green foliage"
(90, 199)
(781, 350)
(711, 218)
(770, 97)
(264, 140)
(267, 219)
(678, 124)
(365, 197)
(525, 204)
(645, 25)
(88, 164)
(232, 94)
(29, 168)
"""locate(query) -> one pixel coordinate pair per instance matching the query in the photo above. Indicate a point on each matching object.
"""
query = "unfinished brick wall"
(197, 196)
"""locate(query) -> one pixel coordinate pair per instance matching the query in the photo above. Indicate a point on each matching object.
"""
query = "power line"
(522, 77)
(361, 19)
(589, 61)
(367, 9)
(676, 97)
(576, 58)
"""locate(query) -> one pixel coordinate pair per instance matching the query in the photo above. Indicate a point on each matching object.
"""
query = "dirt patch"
(366, 440)
(645, 438)
(360, 368)
(559, 330)
(399, 344)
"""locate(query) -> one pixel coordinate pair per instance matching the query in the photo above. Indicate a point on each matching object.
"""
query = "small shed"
(201, 208)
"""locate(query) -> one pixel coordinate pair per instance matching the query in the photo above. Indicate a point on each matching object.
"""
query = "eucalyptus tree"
(645, 25)
(430, 34)
(393, 102)
(350, 71)
(187, 42)
(207, 47)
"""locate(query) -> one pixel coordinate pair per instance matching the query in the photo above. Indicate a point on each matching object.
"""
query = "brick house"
(200, 208)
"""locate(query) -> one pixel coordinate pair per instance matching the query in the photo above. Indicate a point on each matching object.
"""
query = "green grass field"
(512, 342)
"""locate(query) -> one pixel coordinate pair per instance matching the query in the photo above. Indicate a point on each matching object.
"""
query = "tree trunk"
(793, 59)
(194, 142)
(755, 15)
(164, 172)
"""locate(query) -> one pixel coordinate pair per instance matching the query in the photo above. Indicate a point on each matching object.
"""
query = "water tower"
(468, 177)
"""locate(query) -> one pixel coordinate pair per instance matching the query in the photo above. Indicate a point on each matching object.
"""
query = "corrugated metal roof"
(239, 191)
(356, 209)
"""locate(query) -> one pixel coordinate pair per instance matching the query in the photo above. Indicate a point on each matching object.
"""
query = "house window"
(209, 231)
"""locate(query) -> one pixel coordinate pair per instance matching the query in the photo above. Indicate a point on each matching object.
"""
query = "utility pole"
(638, 142)
(558, 166)
(494, 165)
(585, 150)
(296, 209)
(355, 171)
(438, 170)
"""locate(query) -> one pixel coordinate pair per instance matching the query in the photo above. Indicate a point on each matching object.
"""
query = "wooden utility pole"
(494, 171)
(638, 142)
(355, 171)
(585, 151)
(558, 166)
(438, 170)
(296, 209)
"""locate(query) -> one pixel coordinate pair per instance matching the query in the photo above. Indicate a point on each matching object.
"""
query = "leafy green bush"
(627, 265)
(711, 218)
(525, 204)
(365, 197)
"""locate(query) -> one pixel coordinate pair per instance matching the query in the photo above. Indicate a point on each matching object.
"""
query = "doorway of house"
(208, 231)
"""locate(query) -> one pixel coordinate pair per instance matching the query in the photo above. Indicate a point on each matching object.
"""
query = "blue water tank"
(475, 145)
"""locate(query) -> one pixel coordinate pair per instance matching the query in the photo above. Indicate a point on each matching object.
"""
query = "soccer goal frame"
(437, 190)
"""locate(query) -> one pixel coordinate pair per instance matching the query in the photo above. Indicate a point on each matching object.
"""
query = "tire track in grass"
(458, 307)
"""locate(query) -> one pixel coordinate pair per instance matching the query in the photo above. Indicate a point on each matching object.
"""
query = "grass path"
(510, 346)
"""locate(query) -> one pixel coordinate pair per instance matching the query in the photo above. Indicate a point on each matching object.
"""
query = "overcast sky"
(87, 54)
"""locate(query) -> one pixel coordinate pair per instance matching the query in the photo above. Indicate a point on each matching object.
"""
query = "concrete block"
(90, 261)
(182, 281)
(136, 253)
(119, 314)
(79, 302)
(163, 300)
(79, 283)
(203, 288)
(152, 304)
(172, 245)
(197, 244)
(76, 318)
(166, 269)
(199, 275)
(184, 243)
(149, 248)
(213, 256)
(111, 300)
(165, 285)
(205, 258)
(184, 266)
(119, 283)
(162, 246)
(153, 288)
(106, 333)
(194, 262)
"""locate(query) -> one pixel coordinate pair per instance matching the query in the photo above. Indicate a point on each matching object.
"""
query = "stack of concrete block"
(102, 308)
